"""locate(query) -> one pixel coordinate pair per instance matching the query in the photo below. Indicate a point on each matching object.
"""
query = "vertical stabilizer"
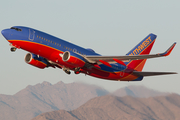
(143, 48)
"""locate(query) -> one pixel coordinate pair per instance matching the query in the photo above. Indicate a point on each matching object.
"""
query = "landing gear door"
(31, 34)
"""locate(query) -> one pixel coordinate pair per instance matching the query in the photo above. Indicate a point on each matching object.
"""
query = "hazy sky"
(110, 27)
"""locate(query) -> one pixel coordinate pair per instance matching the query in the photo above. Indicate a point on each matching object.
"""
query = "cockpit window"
(16, 29)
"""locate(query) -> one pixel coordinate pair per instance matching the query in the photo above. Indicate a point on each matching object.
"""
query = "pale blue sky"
(98, 24)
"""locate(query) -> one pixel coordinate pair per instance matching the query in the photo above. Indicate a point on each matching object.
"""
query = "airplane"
(48, 51)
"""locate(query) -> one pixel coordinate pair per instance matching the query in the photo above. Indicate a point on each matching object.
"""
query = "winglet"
(166, 53)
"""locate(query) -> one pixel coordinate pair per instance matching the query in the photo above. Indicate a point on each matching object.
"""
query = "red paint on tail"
(143, 48)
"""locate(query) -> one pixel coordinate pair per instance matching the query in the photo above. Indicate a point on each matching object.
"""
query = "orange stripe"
(141, 65)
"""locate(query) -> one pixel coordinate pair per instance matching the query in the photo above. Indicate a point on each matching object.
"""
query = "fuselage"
(51, 48)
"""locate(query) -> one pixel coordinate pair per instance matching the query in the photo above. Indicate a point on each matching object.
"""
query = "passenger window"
(37, 36)
(74, 50)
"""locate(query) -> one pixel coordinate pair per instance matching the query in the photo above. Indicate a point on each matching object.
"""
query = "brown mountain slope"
(62, 115)
(125, 108)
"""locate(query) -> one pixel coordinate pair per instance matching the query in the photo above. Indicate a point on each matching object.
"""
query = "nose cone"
(2, 32)
(5, 33)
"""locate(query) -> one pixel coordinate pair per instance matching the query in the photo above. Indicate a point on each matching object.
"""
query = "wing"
(113, 59)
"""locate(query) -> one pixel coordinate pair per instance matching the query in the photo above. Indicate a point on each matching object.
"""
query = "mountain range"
(121, 108)
(45, 97)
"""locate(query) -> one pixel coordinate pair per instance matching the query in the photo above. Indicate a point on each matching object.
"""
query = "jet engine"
(73, 59)
(36, 61)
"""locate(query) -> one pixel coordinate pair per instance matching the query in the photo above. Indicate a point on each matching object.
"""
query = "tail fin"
(143, 48)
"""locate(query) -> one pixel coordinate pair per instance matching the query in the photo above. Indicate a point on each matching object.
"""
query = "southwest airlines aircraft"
(48, 51)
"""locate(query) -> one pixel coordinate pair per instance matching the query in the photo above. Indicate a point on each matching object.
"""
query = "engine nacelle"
(36, 61)
(74, 59)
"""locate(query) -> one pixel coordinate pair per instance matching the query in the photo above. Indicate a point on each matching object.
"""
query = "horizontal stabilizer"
(151, 73)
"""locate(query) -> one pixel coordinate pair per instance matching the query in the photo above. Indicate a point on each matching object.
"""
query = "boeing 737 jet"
(48, 51)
